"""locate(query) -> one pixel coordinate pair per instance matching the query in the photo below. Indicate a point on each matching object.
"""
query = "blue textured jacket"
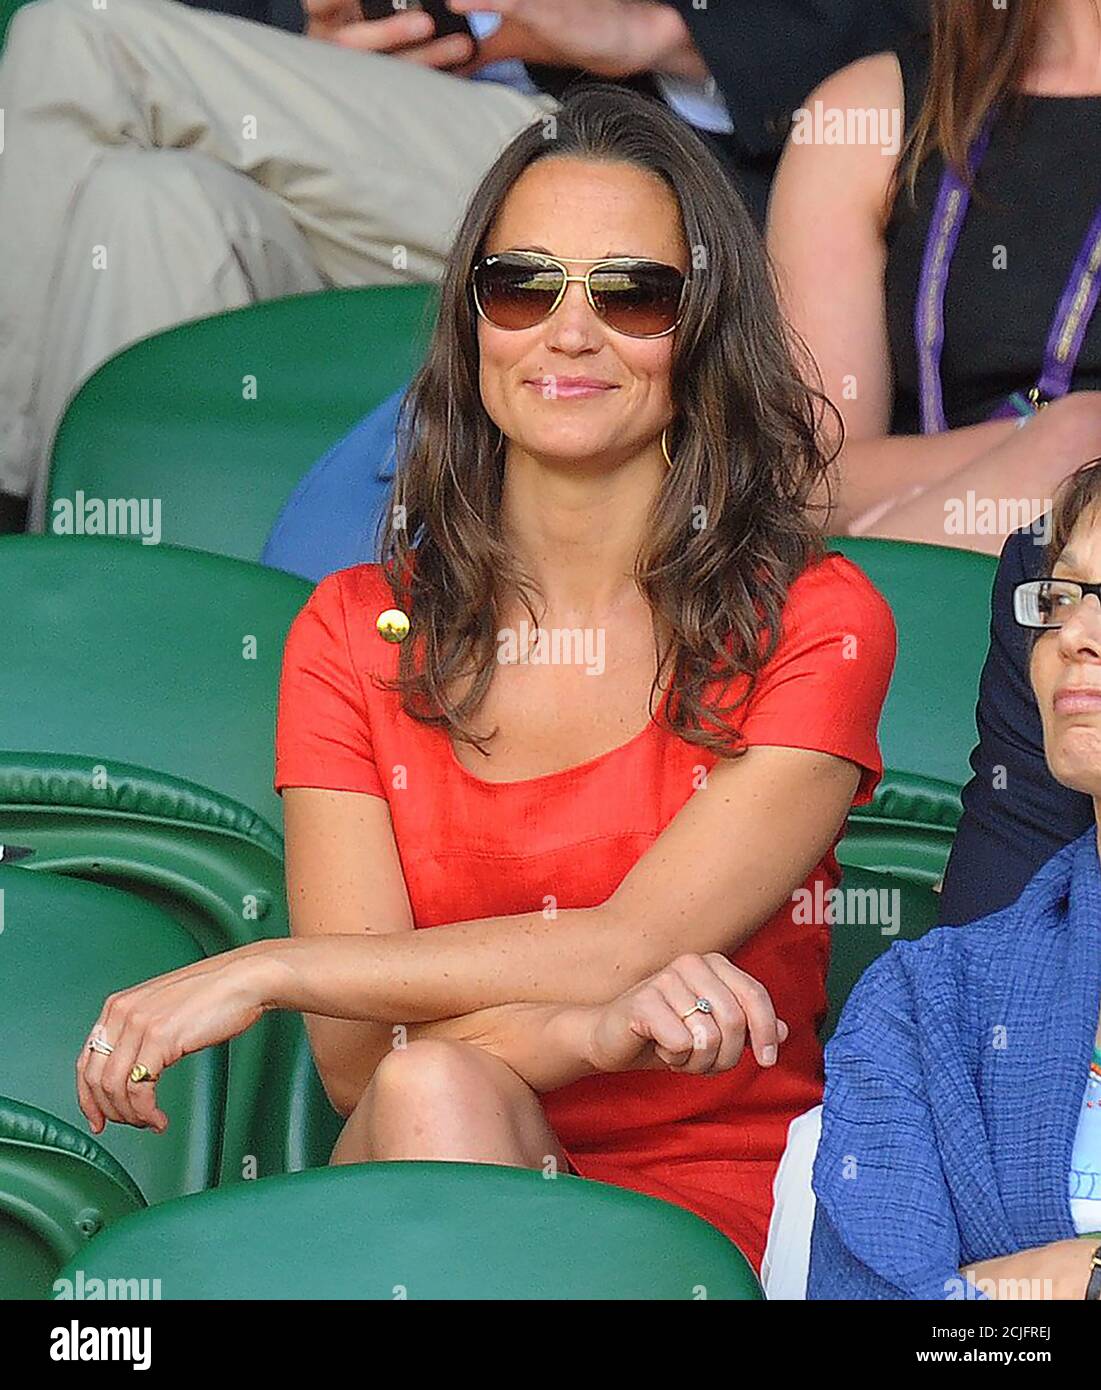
(953, 1091)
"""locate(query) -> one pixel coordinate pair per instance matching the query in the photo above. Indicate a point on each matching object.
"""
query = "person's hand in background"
(610, 38)
(407, 34)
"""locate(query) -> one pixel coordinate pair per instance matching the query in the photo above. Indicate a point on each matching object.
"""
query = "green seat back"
(940, 598)
(213, 864)
(58, 1189)
(220, 418)
(162, 658)
(873, 911)
(424, 1231)
(67, 945)
(908, 829)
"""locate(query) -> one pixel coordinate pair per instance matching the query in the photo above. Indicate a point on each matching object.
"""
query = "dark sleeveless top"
(1037, 193)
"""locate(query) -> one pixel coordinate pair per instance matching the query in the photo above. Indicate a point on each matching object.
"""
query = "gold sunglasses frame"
(541, 258)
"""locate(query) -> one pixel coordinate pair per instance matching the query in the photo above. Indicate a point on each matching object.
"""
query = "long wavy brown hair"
(978, 57)
(744, 441)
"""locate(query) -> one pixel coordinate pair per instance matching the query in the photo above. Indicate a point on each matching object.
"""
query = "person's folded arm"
(343, 876)
(714, 875)
(343, 871)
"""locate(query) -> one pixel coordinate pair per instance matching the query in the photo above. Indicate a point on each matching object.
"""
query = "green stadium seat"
(422, 1231)
(67, 946)
(218, 869)
(876, 910)
(58, 1189)
(940, 598)
(219, 419)
(907, 830)
(213, 864)
(147, 766)
(152, 656)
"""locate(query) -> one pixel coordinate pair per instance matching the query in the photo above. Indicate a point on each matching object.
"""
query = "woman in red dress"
(595, 721)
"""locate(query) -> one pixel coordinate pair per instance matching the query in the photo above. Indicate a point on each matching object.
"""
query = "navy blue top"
(1037, 193)
(1016, 815)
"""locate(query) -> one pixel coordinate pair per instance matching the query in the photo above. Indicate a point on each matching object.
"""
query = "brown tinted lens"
(642, 300)
(514, 292)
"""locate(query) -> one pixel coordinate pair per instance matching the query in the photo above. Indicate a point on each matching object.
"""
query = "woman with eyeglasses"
(960, 1154)
(553, 772)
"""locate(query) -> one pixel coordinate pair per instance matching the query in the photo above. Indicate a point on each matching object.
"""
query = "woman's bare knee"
(443, 1099)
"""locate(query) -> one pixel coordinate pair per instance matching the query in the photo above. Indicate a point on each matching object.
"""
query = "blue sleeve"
(885, 1227)
(331, 520)
(1015, 814)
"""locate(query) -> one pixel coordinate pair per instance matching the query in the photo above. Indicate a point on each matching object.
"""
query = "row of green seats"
(381, 1231)
(76, 685)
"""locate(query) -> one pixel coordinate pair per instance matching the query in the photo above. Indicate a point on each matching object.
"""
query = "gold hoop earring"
(665, 450)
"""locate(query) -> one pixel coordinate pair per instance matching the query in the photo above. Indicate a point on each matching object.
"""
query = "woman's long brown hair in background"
(979, 55)
(729, 530)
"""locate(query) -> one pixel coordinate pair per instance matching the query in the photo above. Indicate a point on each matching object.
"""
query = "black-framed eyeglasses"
(640, 298)
(1049, 603)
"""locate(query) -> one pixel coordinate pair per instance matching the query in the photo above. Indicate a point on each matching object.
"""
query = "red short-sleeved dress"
(472, 849)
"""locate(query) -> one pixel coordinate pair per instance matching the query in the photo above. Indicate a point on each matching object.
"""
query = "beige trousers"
(161, 163)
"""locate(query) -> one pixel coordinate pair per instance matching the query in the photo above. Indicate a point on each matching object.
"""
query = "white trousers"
(787, 1253)
(161, 163)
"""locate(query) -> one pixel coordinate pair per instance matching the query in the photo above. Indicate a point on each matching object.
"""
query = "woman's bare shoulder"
(846, 139)
(872, 81)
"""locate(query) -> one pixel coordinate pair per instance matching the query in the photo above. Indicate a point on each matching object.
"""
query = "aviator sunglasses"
(640, 298)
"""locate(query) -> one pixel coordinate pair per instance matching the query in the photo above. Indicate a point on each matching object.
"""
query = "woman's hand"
(160, 1021)
(646, 1027)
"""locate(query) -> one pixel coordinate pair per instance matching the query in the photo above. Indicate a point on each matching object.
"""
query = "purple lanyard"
(1068, 330)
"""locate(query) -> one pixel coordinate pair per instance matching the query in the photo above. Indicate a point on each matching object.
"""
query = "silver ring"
(100, 1045)
(701, 1006)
